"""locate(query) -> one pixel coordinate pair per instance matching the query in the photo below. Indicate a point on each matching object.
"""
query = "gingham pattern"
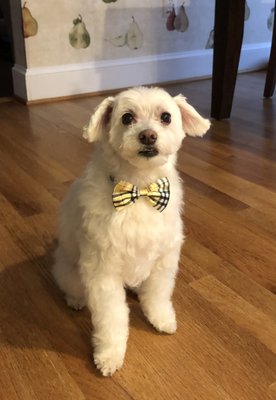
(158, 194)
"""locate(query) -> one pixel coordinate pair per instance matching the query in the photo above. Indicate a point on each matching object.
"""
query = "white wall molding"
(19, 81)
(73, 79)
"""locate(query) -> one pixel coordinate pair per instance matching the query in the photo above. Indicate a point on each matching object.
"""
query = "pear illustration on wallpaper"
(118, 41)
(270, 20)
(79, 36)
(134, 36)
(181, 22)
(246, 11)
(30, 25)
(170, 20)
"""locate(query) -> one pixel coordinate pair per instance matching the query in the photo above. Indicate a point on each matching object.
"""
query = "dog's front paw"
(109, 360)
(162, 318)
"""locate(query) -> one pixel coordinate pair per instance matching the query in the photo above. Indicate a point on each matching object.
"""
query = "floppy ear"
(193, 123)
(99, 120)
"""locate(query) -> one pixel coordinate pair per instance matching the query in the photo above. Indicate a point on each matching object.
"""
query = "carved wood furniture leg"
(228, 35)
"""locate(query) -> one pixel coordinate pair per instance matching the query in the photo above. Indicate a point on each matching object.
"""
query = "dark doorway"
(6, 50)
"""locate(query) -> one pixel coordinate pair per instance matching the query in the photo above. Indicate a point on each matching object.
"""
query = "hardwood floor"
(225, 345)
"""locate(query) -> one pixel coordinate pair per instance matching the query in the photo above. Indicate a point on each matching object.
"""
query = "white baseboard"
(73, 79)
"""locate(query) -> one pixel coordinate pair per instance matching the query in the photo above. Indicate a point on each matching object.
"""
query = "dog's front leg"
(155, 294)
(105, 297)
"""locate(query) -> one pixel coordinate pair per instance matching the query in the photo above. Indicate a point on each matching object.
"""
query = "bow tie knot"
(158, 194)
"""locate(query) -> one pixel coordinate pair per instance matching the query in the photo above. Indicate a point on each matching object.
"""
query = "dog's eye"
(166, 118)
(127, 119)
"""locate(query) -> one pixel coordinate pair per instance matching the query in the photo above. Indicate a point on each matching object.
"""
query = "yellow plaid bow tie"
(158, 193)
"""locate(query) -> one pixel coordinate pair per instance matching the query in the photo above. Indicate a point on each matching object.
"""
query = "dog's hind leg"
(67, 277)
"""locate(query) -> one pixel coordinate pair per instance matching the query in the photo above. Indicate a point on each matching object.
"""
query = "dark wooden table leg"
(271, 69)
(228, 35)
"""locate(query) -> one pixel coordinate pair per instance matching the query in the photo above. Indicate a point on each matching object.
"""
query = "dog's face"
(145, 125)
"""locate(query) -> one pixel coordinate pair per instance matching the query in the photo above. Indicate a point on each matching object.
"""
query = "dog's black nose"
(147, 137)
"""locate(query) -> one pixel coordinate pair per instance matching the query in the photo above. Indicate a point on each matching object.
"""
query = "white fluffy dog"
(105, 247)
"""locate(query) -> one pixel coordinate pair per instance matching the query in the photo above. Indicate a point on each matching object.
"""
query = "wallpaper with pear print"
(72, 32)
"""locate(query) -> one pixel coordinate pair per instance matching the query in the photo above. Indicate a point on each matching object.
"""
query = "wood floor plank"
(239, 161)
(243, 313)
(211, 193)
(234, 279)
(42, 169)
(47, 137)
(247, 192)
(232, 212)
(264, 221)
(272, 390)
(225, 346)
(229, 244)
(21, 233)
(13, 385)
(191, 380)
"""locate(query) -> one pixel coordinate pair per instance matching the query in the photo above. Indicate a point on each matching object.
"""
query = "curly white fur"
(101, 250)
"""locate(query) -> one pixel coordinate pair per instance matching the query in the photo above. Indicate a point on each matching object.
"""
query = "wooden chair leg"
(271, 70)
(228, 35)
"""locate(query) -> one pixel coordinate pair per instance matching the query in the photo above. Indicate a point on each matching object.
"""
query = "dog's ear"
(193, 123)
(99, 121)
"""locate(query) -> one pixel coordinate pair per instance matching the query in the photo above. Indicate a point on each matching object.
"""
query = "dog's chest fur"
(144, 236)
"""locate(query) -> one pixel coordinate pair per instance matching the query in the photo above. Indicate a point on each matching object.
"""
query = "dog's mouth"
(148, 152)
